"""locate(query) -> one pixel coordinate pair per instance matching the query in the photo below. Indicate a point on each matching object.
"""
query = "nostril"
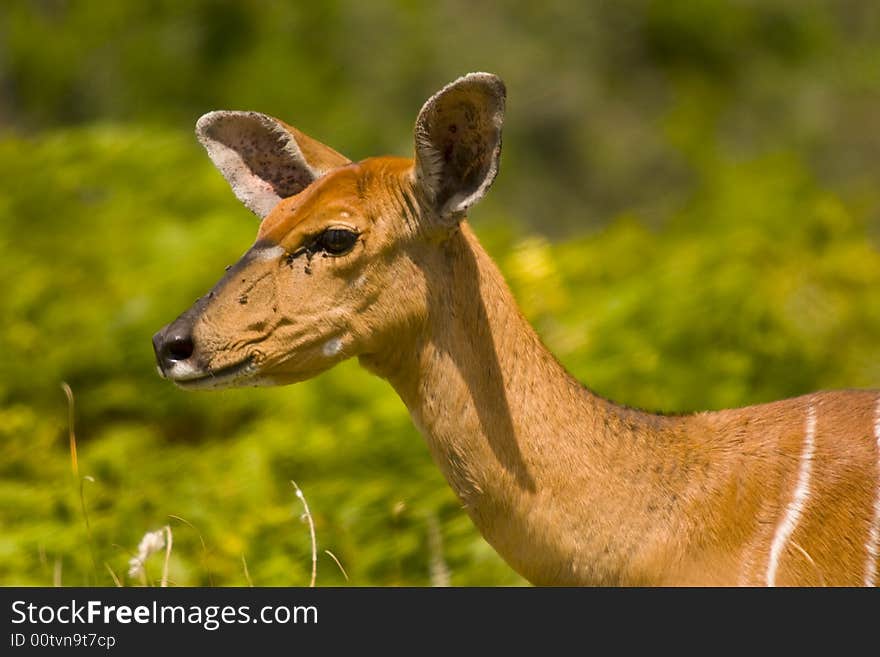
(179, 347)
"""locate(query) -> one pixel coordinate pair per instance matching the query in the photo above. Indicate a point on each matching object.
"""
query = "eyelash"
(317, 246)
(345, 241)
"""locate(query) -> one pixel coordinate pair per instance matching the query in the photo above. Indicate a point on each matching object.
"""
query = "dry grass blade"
(247, 575)
(85, 513)
(333, 556)
(70, 428)
(74, 466)
(168, 541)
(202, 541)
(113, 575)
(308, 514)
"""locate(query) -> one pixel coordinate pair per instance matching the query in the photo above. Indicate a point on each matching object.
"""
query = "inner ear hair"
(263, 159)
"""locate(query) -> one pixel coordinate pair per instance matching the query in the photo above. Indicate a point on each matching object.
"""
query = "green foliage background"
(688, 211)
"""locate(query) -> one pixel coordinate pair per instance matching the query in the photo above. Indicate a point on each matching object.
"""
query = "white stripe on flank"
(873, 544)
(796, 507)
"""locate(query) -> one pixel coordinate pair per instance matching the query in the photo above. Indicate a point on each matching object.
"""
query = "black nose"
(171, 345)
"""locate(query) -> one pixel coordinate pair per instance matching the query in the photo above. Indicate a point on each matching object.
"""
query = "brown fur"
(568, 487)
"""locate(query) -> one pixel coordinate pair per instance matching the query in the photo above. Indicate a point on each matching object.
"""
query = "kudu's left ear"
(458, 143)
(263, 159)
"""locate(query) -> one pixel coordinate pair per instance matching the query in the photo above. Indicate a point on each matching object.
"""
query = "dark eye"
(336, 241)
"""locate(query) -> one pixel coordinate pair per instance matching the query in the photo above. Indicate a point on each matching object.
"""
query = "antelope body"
(376, 260)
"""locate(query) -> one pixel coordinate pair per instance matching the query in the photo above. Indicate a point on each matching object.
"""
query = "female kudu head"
(342, 256)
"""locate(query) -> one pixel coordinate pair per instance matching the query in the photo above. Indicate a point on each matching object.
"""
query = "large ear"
(264, 159)
(458, 143)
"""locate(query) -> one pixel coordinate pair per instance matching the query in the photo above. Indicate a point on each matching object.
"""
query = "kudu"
(375, 259)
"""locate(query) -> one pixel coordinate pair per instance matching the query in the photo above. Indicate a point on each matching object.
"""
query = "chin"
(209, 383)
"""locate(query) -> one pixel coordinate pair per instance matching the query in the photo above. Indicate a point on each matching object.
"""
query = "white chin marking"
(182, 370)
(332, 347)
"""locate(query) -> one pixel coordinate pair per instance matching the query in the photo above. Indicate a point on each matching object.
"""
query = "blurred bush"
(687, 211)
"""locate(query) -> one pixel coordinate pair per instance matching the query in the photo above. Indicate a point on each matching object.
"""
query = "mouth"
(185, 376)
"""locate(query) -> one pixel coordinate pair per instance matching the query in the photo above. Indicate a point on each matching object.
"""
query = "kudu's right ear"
(263, 159)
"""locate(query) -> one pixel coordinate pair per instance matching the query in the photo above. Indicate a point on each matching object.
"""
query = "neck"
(543, 466)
